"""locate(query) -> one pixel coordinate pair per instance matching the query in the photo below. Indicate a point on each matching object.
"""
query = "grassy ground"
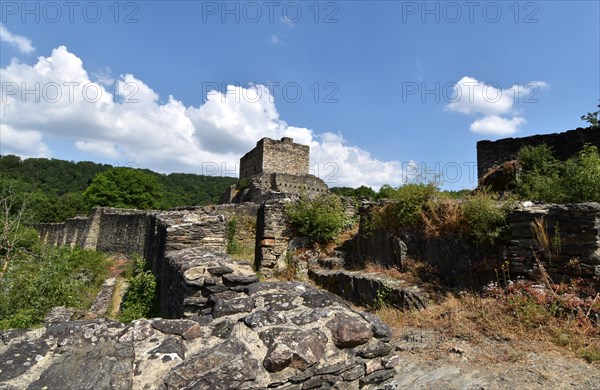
(525, 314)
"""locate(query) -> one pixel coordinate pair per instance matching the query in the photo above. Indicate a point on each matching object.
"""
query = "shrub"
(443, 217)
(141, 299)
(544, 178)
(43, 277)
(582, 176)
(540, 178)
(409, 202)
(320, 219)
(485, 219)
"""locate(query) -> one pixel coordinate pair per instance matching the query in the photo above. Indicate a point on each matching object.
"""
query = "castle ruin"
(274, 168)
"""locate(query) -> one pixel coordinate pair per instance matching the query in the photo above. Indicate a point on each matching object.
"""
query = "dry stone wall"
(573, 228)
(273, 234)
(573, 231)
(565, 145)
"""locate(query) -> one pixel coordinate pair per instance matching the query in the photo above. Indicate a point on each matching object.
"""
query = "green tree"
(124, 188)
(592, 118)
(365, 192)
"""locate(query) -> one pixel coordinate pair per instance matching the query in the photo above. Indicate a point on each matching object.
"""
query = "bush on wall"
(320, 219)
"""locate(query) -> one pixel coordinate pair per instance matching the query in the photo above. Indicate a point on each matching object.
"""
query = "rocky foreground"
(244, 334)
(278, 335)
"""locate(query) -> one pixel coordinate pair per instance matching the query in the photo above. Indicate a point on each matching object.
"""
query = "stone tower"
(274, 168)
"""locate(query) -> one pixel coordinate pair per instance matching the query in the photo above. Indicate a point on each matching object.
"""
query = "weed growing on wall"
(486, 219)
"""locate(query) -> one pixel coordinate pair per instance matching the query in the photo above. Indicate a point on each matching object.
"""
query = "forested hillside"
(54, 189)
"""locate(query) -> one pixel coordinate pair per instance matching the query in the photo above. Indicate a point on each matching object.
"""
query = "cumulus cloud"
(474, 97)
(496, 125)
(25, 143)
(22, 44)
(130, 124)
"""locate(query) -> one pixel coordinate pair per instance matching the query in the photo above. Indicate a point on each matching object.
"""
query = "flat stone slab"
(367, 289)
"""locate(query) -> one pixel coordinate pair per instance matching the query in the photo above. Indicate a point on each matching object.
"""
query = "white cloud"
(474, 97)
(496, 125)
(24, 143)
(101, 148)
(274, 39)
(134, 126)
(23, 44)
(104, 77)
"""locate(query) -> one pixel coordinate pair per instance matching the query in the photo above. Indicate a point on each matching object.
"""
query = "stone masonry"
(272, 156)
(274, 168)
(564, 145)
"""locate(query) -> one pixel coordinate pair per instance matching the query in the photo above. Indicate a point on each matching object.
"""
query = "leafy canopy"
(124, 188)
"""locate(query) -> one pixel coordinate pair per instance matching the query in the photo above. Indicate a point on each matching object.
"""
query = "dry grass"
(541, 238)
(244, 252)
(443, 217)
(515, 318)
(371, 267)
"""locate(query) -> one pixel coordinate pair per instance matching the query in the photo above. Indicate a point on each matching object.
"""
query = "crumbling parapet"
(564, 145)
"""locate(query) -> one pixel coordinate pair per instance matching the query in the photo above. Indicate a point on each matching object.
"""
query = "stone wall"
(270, 156)
(369, 289)
(105, 229)
(458, 262)
(147, 233)
(273, 234)
(122, 231)
(454, 259)
(565, 145)
(575, 228)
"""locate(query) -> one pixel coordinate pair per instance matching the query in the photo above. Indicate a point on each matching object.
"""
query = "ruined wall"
(575, 230)
(459, 262)
(151, 233)
(565, 145)
(455, 260)
(366, 289)
(270, 156)
(122, 231)
(273, 234)
(192, 279)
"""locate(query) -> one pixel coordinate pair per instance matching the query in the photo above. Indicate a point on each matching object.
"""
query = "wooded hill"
(54, 188)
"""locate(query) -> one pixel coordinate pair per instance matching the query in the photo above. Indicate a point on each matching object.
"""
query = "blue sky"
(379, 89)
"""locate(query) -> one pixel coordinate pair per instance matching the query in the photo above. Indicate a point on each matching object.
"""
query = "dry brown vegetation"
(518, 319)
(443, 217)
